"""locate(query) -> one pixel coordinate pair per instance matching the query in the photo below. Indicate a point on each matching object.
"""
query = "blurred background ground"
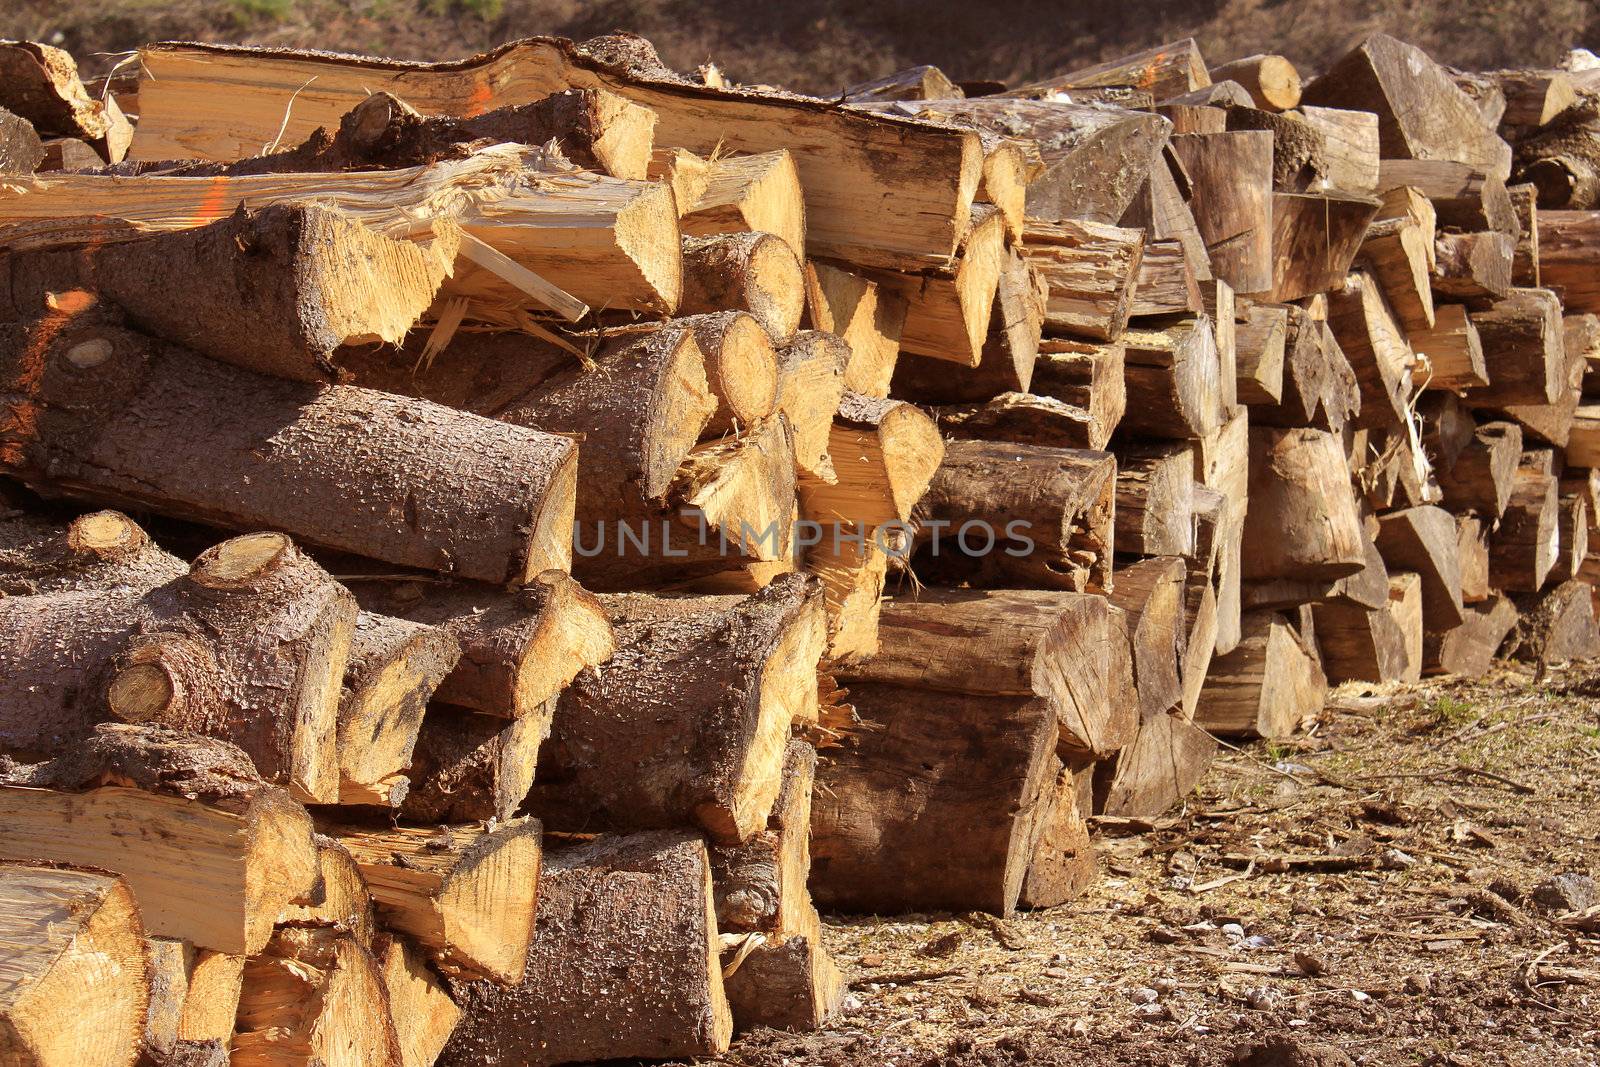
(821, 45)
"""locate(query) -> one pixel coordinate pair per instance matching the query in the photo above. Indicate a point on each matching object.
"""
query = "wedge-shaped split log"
(638, 906)
(1161, 766)
(464, 893)
(1468, 650)
(687, 722)
(77, 982)
(1558, 625)
(867, 317)
(1267, 686)
(1150, 594)
(110, 414)
(885, 453)
(1423, 540)
(424, 1015)
(1302, 521)
(212, 853)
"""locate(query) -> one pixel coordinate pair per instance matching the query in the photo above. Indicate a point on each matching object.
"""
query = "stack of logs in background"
(488, 548)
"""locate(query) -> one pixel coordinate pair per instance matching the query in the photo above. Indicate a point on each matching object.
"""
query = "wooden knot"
(242, 562)
(159, 679)
(105, 535)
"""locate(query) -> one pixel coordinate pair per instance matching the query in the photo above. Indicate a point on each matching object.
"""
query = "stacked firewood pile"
(626, 509)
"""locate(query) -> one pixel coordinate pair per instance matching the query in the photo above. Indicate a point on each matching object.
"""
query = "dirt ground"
(1405, 883)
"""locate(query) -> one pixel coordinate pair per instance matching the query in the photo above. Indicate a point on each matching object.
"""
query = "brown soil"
(1368, 893)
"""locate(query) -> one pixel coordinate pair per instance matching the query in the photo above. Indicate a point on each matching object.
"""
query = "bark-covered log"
(1165, 71)
(638, 906)
(212, 853)
(288, 284)
(950, 775)
(470, 767)
(1059, 648)
(914, 83)
(1271, 80)
(752, 272)
(95, 551)
(686, 723)
(787, 983)
(760, 886)
(105, 413)
(1039, 518)
(41, 85)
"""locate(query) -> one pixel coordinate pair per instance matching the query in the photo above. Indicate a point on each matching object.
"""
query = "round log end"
(105, 534)
(142, 692)
(745, 370)
(90, 353)
(1280, 83)
(241, 562)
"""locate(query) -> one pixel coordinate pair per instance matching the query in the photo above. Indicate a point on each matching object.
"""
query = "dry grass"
(820, 46)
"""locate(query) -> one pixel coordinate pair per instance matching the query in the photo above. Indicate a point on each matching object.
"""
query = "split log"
(469, 767)
(1026, 419)
(866, 317)
(1173, 379)
(1447, 427)
(78, 987)
(1063, 866)
(639, 905)
(1468, 650)
(1155, 487)
(1267, 686)
(1374, 644)
(1473, 266)
(758, 193)
(843, 156)
(1009, 354)
(760, 886)
(812, 370)
(209, 1010)
(914, 83)
(1315, 238)
(950, 774)
(1018, 515)
(1421, 113)
(1157, 770)
(1222, 464)
(464, 893)
(1556, 626)
(751, 272)
(42, 86)
(1089, 377)
(212, 854)
(1350, 147)
(1569, 245)
(1583, 443)
(1302, 521)
(1573, 538)
(785, 984)
(1524, 547)
(423, 1013)
(291, 282)
(394, 668)
(1472, 551)
(1423, 540)
(1162, 210)
(1090, 269)
(686, 722)
(1151, 594)
(1258, 365)
(851, 562)
(1453, 350)
(948, 308)
(1056, 648)
(1319, 385)
(314, 996)
(1523, 349)
(1232, 203)
(1271, 81)
(1525, 259)
(519, 648)
(343, 898)
(1167, 282)
(1481, 477)
(68, 154)
(1221, 306)
(87, 430)
(166, 965)
(884, 452)
(1399, 252)
(1552, 423)
(1165, 71)
(21, 151)
(1373, 340)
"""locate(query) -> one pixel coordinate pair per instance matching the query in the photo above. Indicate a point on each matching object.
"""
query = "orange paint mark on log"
(1147, 80)
(21, 422)
(214, 204)
(480, 99)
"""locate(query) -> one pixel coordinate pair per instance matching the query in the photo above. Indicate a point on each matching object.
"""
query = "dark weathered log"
(1259, 351)
(1523, 349)
(1091, 270)
(1469, 649)
(1523, 549)
(1266, 686)
(1472, 552)
(1158, 769)
(21, 151)
(686, 722)
(1562, 161)
(1315, 237)
(1481, 477)
(1557, 625)
(1174, 380)
(949, 775)
(1162, 210)
(639, 905)
(1001, 513)
(1063, 864)
(244, 848)
(785, 984)
(1302, 521)
(1167, 283)
(1453, 350)
(1232, 203)
(1319, 386)
(1569, 244)
(1421, 112)
(1381, 644)
(1155, 490)
(1151, 594)
(914, 83)
(1423, 539)
(1472, 266)
(105, 413)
